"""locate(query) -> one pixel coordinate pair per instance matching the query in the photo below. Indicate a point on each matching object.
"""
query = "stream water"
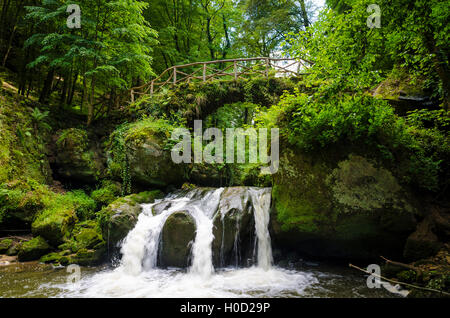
(137, 273)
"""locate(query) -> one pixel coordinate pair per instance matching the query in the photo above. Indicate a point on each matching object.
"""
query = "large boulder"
(33, 249)
(5, 245)
(20, 202)
(423, 242)
(343, 206)
(405, 92)
(139, 153)
(178, 234)
(75, 158)
(55, 223)
(118, 218)
(233, 228)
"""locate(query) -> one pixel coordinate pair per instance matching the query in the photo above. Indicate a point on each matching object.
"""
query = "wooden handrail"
(175, 70)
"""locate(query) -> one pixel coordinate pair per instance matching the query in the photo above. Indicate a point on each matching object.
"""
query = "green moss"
(87, 235)
(87, 257)
(74, 139)
(106, 194)
(198, 100)
(5, 245)
(21, 200)
(75, 159)
(408, 276)
(139, 152)
(398, 83)
(60, 213)
(33, 249)
(22, 148)
(358, 185)
(83, 204)
(56, 221)
(300, 196)
(51, 258)
(327, 204)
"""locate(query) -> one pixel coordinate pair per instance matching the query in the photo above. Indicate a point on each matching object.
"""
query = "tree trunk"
(306, 22)
(91, 103)
(47, 86)
(72, 89)
(16, 19)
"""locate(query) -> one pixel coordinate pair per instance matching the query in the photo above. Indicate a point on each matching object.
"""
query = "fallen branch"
(401, 283)
(411, 267)
(19, 237)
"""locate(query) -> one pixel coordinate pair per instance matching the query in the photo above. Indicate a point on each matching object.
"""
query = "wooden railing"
(222, 69)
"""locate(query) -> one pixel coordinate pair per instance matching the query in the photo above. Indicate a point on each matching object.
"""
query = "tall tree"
(110, 50)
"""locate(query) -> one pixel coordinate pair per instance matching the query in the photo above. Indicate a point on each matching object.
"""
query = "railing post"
(267, 67)
(204, 72)
(151, 88)
(132, 96)
(174, 75)
(235, 70)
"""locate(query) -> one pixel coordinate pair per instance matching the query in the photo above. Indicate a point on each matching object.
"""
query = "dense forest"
(364, 142)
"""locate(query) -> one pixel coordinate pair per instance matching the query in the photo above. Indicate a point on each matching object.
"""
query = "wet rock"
(233, 228)
(177, 235)
(342, 206)
(120, 217)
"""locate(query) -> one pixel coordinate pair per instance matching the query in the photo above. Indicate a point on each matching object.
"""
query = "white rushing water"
(261, 204)
(138, 275)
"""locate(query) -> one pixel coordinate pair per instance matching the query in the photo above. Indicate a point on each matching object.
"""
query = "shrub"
(312, 123)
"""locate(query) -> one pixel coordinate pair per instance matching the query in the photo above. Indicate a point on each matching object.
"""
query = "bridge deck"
(230, 68)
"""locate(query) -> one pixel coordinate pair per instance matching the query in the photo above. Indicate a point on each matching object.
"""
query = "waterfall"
(139, 276)
(261, 203)
(140, 247)
(201, 249)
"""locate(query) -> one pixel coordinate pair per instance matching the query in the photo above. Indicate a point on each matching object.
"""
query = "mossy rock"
(403, 92)
(344, 207)
(5, 245)
(120, 217)
(107, 193)
(83, 257)
(148, 160)
(33, 249)
(55, 225)
(177, 235)
(23, 151)
(14, 249)
(58, 258)
(87, 257)
(87, 235)
(75, 158)
(20, 200)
